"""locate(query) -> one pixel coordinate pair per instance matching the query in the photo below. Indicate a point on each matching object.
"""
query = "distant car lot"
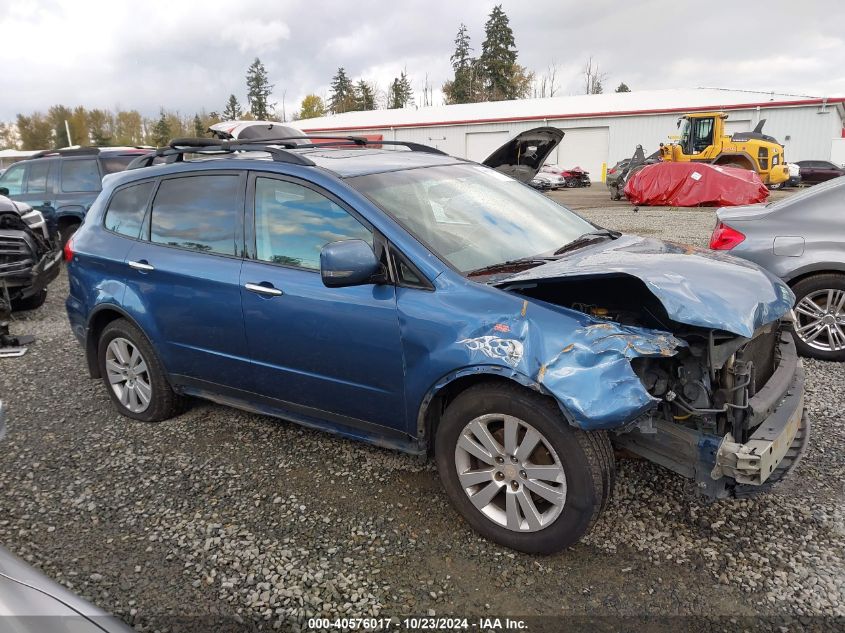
(238, 515)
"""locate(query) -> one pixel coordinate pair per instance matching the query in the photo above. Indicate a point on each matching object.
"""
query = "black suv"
(63, 183)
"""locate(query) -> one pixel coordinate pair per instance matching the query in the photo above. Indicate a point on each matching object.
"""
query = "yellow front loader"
(703, 139)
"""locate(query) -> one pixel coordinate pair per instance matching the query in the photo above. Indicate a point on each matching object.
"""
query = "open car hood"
(523, 155)
(696, 287)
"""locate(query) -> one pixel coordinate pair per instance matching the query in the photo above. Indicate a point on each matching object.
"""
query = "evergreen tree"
(161, 133)
(623, 87)
(364, 96)
(259, 89)
(401, 93)
(461, 89)
(497, 64)
(199, 127)
(312, 106)
(343, 93)
(232, 111)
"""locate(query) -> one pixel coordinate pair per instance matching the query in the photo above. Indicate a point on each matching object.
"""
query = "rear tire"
(66, 232)
(819, 329)
(578, 494)
(122, 345)
(30, 303)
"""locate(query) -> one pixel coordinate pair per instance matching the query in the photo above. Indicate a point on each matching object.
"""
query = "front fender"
(498, 371)
(581, 361)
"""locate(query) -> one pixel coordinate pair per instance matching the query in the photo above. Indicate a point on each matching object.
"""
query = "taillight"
(724, 237)
(68, 250)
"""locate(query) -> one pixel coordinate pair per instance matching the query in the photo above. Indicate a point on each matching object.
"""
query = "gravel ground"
(220, 519)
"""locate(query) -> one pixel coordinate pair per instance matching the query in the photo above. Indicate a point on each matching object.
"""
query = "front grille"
(15, 255)
(761, 351)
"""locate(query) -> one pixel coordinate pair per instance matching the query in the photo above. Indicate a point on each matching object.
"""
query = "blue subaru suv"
(394, 294)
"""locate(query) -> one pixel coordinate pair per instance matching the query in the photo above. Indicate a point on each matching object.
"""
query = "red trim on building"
(585, 115)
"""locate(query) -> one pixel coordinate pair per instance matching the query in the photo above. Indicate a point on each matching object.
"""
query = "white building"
(599, 128)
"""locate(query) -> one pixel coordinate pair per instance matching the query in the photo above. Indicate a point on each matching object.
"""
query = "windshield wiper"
(592, 236)
(506, 266)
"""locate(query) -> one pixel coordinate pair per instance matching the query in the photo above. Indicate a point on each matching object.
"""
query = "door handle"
(141, 265)
(270, 291)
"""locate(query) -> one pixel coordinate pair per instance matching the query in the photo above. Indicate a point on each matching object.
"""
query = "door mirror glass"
(348, 263)
(4, 191)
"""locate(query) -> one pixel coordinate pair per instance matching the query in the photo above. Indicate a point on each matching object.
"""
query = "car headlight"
(35, 221)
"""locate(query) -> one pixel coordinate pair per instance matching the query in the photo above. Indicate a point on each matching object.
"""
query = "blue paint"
(696, 286)
(377, 354)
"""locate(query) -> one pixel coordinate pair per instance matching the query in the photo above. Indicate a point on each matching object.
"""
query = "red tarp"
(694, 185)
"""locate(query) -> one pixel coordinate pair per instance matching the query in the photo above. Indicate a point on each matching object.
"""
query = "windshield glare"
(473, 216)
(683, 130)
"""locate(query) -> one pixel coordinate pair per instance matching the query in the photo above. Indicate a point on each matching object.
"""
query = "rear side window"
(80, 176)
(201, 213)
(114, 164)
(293, 223)
(125, 214)
(36, 181)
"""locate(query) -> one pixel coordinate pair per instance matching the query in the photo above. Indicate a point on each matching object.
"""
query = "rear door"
(330, 353)
(810, 172)
(183, 278)
(34, 182)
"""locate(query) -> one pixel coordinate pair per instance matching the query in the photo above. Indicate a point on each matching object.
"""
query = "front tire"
(133, 375)
(517, 472)
(819, 327)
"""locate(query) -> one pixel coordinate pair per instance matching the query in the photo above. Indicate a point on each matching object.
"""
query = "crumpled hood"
(696, 286)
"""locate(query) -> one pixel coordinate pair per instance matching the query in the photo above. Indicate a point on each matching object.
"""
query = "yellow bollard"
(604, 172)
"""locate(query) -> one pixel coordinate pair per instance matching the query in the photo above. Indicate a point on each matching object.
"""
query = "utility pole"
(67, 130)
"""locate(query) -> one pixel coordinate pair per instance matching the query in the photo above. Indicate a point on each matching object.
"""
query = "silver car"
(801, 239)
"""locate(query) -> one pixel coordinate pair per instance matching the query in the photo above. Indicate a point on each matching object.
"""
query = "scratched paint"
(582, 361)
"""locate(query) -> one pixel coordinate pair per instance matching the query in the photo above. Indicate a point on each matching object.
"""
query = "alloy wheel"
(820, 320)
(510, 472)
(128, 375)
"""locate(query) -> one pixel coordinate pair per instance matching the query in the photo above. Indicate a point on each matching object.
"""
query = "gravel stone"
(226, 519)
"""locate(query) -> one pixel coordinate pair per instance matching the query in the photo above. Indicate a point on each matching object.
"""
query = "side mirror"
(4, 191)
(349, 263)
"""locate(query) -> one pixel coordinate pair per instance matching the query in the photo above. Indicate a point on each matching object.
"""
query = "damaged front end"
(731, 412)
(725, 394)
(29, 261)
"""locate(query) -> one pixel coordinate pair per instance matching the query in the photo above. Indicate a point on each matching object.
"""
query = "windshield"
(472, 216)
(683, 131)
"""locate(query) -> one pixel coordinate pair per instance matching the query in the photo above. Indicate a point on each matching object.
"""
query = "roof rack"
(88, 150)
(289, 142)
(178, 147)
(73, 151)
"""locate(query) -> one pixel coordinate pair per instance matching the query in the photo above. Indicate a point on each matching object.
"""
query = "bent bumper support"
(722, 467)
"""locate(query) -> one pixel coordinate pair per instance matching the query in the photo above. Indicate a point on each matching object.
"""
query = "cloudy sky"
(188, 55)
